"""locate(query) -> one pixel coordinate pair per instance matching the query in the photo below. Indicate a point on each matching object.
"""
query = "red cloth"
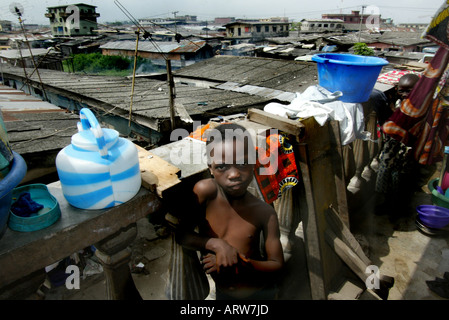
(275, 179)
(392, 77)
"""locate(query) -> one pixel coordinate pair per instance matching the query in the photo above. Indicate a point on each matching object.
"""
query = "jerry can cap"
(86, 139)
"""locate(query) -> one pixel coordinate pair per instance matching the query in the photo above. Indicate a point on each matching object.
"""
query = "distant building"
(275, 19)
(353, 18)
(224, 20)
(416, 26)
(355, 21)
(73, 20)
(5, 26)
(185, 19)
(255, 31)
(180, 54)
(162, 22)
(168, 22)
(322, 25)
(400, 41)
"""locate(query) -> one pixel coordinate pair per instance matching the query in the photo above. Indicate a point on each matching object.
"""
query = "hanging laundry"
(422, 122)
(323, 105)
(392, 77)
(437, 29)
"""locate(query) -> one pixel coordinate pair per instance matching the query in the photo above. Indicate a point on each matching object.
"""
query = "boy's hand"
(225, 254)
(209, 263)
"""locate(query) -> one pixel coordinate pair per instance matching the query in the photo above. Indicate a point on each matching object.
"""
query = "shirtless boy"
(232, 222)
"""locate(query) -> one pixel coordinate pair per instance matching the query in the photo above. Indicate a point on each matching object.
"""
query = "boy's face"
(404, 90)
(231, 169)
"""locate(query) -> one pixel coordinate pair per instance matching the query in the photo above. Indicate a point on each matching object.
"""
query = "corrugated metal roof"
(258, 91)
(283, 75)
(155, 46)
(25, 53)
(191, 46)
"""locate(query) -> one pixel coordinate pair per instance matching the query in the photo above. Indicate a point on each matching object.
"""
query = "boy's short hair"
(409, 79)
(227, 131)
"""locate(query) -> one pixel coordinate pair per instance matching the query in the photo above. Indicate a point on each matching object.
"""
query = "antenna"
(146, 35)
(16, 9)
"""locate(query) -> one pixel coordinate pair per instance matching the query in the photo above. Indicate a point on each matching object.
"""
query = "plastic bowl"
(433, 216)
(437, 198)
(445, 182)
(351, 74)
(7, 184)
(44, 218)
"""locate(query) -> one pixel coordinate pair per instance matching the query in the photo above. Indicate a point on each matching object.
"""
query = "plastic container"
(443, 169)
(98, 169)
(351, 74)
(16, 173)
(6, 155)
(44, 218)
(438, 199)
(433, 216)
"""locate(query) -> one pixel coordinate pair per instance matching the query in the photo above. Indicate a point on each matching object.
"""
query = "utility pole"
(176, 22)
(361, 20)
(19, 15)
(171, 86)
(136, 53)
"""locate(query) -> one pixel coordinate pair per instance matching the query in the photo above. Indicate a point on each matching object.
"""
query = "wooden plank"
(339, 171)
(343, 232)
(315, 159)
(347, 255)
(356, 264)
(157, 174)
(289, 126)
(347, 291)
(313, 243)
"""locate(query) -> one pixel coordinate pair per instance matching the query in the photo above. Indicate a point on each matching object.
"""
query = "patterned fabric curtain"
(422, 120)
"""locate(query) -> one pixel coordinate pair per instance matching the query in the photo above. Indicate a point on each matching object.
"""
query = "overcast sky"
(401, 11)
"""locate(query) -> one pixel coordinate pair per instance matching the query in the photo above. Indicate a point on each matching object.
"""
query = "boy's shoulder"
(205, 188)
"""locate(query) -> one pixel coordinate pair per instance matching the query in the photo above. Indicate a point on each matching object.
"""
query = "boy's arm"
(194, 208)
(203, 191)
(273, 247)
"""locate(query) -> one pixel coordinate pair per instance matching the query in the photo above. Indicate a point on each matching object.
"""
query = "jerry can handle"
(89, 122)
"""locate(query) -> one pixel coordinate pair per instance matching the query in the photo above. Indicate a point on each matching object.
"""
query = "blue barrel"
(7, 184)
(353, 75)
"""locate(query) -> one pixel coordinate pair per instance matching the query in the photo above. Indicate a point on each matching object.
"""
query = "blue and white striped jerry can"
(98, 169)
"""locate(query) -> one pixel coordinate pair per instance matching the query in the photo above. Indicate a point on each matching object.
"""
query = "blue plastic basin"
(353, 75)
(12, 179)
(433, 216)
(49, 214)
